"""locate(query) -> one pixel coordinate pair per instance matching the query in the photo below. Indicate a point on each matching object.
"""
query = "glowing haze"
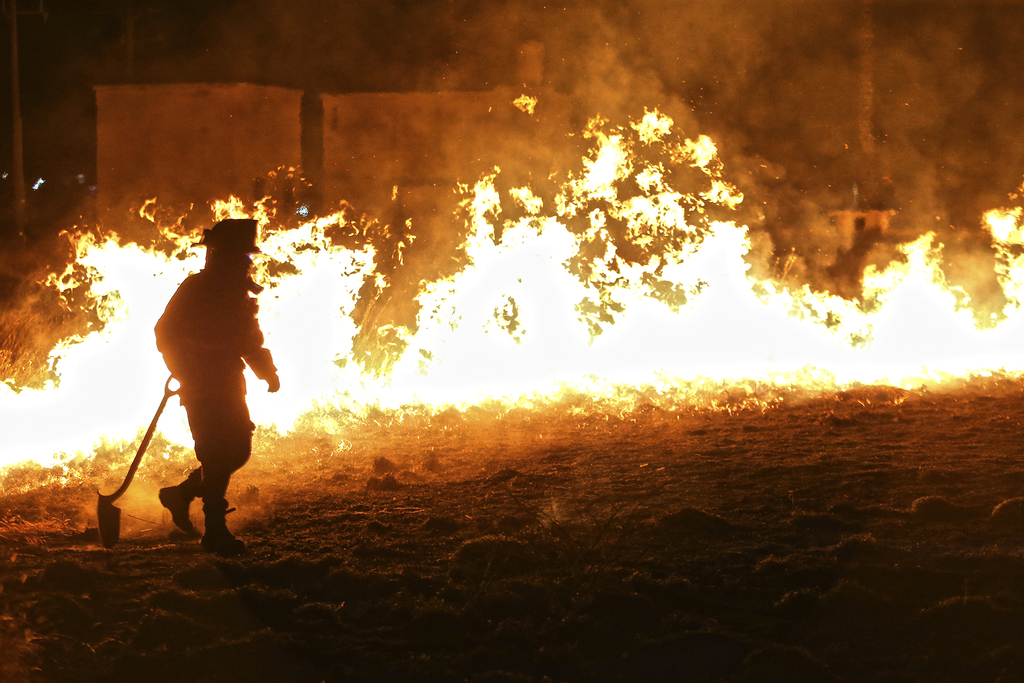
(629, 275)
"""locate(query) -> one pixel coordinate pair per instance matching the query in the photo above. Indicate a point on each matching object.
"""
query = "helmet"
(232, 234)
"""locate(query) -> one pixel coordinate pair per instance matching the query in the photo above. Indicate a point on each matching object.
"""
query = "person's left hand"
(273, 383)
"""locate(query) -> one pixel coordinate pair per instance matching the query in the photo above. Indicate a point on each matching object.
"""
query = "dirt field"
(870, 535)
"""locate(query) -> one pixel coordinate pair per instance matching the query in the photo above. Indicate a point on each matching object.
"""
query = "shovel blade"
(109, 519)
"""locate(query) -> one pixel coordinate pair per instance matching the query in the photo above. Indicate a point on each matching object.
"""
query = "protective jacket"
(208, 333)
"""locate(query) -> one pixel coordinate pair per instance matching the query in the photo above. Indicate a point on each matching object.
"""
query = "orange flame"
(622, 277)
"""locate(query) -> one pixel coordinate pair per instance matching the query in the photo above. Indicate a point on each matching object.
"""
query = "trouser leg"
(215, 486)
(222, 432)
(223, 435)
(220, 424)
(191, 488)
(220, 460)
(216, 538)
(221, 455)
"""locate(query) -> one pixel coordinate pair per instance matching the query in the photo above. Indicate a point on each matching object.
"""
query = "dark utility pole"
(18, 151)
(19, 154)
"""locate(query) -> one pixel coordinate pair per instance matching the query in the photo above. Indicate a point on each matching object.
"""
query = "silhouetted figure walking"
(207, 335)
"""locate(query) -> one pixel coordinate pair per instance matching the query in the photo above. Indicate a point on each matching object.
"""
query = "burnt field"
(868, 535)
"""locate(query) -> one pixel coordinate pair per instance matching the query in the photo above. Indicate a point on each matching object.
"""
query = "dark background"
(775, 84)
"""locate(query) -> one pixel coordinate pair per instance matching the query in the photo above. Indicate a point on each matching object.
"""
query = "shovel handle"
(168, 392)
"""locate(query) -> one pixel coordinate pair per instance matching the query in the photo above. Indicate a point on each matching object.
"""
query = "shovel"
(109, 517)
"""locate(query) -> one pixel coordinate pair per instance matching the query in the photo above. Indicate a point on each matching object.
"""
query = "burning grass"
(863, 535)
(26, 339)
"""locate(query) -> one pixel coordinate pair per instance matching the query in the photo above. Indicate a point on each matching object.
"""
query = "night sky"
(774, 83)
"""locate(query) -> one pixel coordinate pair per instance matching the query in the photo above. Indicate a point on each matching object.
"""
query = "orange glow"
(552, 304)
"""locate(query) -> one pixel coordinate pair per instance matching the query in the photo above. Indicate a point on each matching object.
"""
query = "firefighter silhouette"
(207, 334)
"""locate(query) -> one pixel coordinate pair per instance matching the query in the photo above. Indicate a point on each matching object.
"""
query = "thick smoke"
(776, 84)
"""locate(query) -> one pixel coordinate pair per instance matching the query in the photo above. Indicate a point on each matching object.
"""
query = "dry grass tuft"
(15, 530)
(25, 342)
(1010, 512)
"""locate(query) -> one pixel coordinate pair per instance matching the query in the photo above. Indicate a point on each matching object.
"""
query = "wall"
(188, 144)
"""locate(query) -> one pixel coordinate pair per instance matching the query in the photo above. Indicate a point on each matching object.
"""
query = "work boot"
(178, 498)
(172, 499)
(217, 539)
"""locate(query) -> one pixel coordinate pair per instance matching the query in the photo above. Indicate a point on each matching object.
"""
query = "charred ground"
(869, 535)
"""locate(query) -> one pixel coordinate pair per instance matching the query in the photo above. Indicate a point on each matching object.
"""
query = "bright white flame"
(554, 302)
(111, 381)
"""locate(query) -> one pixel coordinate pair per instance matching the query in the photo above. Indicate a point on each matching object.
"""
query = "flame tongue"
(622, 277)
